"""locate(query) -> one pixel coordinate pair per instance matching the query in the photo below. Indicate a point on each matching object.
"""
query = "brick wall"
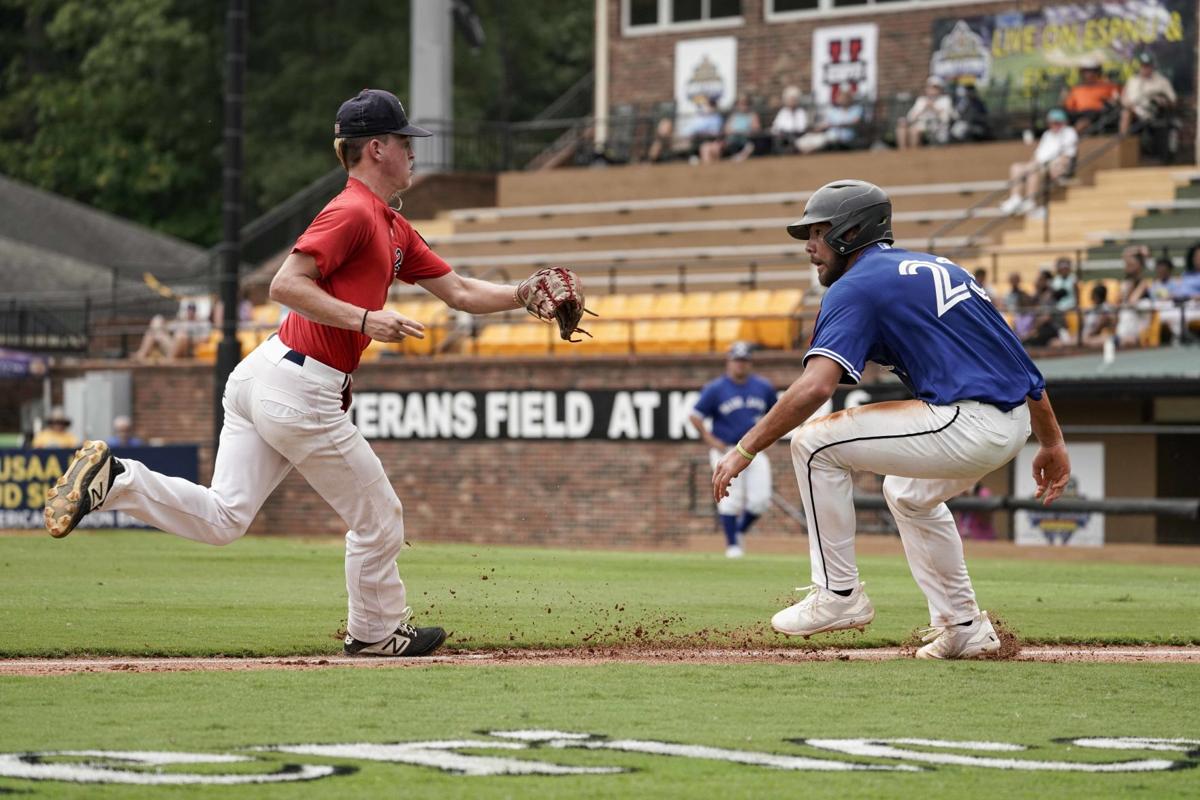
(565, 493)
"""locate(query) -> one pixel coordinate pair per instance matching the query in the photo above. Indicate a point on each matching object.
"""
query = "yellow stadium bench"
(781, 329)
(639, 306)
(668, 306)
(697, 304)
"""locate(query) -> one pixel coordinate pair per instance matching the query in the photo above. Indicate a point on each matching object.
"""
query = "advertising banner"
(1028, 50)
(539, 414)
(1079, 529)
(26, 476)
(844, 56)
(705, 67)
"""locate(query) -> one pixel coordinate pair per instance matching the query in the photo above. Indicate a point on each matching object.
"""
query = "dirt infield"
(580, 657)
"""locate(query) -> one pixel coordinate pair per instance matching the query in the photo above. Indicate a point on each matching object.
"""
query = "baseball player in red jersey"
(286, 402)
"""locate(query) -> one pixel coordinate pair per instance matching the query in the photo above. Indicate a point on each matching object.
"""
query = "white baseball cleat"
(734, 551)
(977, 640)
(81, 489)
(822, 611)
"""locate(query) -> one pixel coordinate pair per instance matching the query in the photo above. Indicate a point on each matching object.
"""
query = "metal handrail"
(1097, 126)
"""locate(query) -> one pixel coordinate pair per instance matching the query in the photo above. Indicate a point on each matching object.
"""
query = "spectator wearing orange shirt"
(1089, 99)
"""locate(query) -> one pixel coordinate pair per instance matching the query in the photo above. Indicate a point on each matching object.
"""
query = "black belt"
(298, 358)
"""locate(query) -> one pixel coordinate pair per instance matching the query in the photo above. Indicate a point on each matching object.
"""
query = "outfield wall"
(586, 491)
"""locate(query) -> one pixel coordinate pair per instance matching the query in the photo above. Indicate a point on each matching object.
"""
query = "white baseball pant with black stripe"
(928, 455)
(280, 415)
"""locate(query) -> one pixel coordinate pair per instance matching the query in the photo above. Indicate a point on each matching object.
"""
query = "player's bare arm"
(295, 286)
(797, 404)
(705, 434)
(472, 295)
(1051, 465)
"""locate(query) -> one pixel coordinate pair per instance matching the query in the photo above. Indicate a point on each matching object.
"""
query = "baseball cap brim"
(412, 130)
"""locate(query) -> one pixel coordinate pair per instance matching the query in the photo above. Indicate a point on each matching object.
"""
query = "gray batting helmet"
(847, 205)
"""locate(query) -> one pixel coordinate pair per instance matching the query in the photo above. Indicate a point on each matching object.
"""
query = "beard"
(834, 268)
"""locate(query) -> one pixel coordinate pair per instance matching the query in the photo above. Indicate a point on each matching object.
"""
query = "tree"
(119, 104)
(116, 105)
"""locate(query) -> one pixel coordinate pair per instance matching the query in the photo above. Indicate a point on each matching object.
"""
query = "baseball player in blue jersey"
(977, 395)
(734, 402)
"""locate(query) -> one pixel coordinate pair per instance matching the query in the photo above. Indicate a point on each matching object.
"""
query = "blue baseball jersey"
(734, 407)
(927, 320)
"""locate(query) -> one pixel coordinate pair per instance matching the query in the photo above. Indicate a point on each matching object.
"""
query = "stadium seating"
(668, 322)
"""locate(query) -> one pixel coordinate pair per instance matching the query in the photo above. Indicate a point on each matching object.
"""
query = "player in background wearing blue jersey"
(734, 402)
(977, 394)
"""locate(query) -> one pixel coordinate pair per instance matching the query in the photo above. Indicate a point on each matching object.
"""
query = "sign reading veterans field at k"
(643, 414)
(26, 476)
(1027, 51)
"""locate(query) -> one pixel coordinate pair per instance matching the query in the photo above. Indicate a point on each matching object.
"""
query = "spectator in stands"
(1017, 298)
(175, 339)
(1190, 280)
(742, 128)
(123, 434)
(1135, 296)
(1147, 96)
(839, 125)
(1099, 321)
(928, 121)
(790, 123)
(1063, 284)
(665, 146)
(1054, 156)
(981, 280)
(704, 130)
(971, 123)
(55, 431)
(1163, 286)
(1092, 97)
(245, 310)
(976, 523)
(1047, 322)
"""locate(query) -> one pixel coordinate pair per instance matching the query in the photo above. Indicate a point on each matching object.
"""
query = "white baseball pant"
(280, 415)
(928, 455)
(750, 490)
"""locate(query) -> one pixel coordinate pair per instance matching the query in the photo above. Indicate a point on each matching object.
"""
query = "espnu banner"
(642, 415)
(1026, 50)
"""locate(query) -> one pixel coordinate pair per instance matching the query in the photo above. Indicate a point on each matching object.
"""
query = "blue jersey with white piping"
(733, 407)
(925, 318)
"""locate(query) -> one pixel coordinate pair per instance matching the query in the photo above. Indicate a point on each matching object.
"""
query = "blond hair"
(349, 151)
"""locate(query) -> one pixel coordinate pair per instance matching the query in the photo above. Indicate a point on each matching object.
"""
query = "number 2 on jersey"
(947, 294)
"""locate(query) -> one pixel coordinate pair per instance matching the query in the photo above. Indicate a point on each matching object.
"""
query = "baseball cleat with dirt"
(977, 640)
(823, 611)
(407, 641)
(81, 489)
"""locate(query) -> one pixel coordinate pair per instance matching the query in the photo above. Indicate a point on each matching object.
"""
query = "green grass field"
(147, 594)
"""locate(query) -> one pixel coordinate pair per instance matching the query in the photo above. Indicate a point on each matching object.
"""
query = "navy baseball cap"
(740, 351)
(373, 112)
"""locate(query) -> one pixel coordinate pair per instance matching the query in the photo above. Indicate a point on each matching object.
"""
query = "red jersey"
(360, 244)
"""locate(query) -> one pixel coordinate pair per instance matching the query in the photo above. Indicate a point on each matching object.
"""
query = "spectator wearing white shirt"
(928, 121)
(1054, 155)
(791, 122)
(1148, 99)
